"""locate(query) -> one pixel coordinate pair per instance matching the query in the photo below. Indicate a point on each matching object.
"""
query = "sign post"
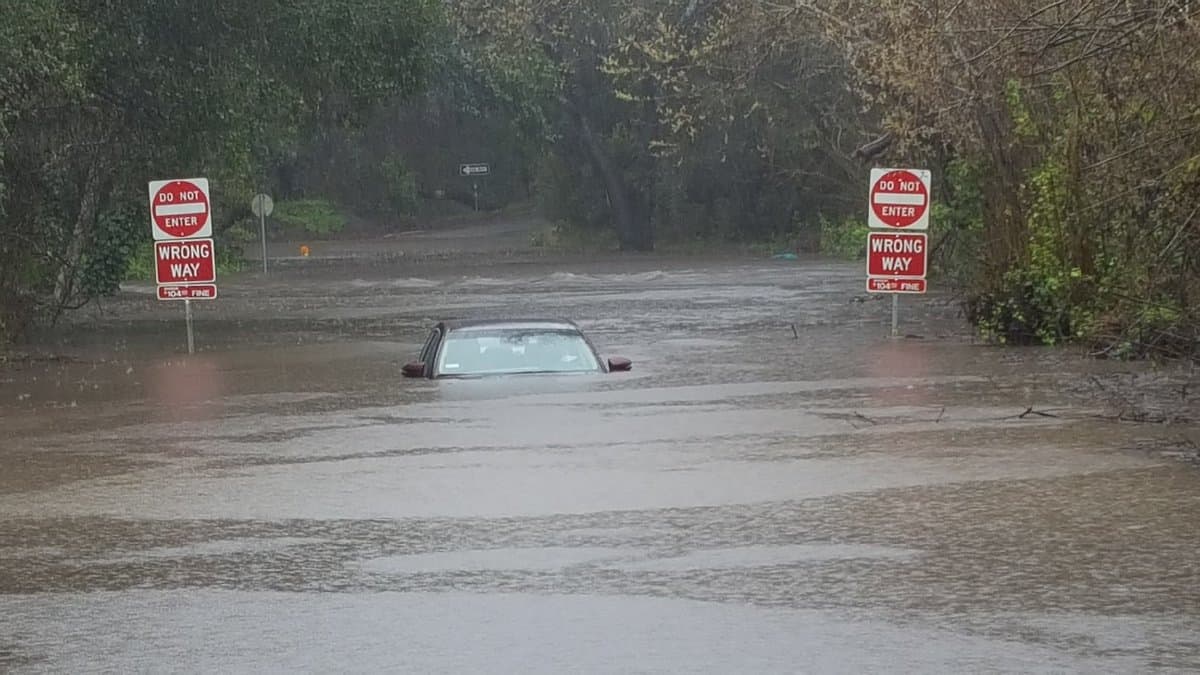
(262, 205)
(895, 315)
(897, 260)
(191, 334)
(475, 171)
(184, 254)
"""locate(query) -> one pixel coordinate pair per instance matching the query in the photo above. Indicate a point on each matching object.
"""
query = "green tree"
(1066, 137)
(569, 39)
(758, 128)
(98, 98)
(1082, 119)
(682, 118)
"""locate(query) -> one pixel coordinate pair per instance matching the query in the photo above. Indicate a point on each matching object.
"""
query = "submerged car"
(464, 349)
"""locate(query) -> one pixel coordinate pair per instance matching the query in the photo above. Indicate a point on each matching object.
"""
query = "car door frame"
(429, 352)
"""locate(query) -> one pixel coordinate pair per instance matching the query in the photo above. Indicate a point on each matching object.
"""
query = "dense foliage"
(97, 98)
(1064, 136)
(1074, 127)
(666, 121)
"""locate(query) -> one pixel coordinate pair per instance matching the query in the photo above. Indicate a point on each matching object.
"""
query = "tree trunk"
(632, 218)
(89, 202)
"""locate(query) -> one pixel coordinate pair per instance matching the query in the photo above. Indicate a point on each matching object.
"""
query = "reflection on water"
(456, 632)
(776, 487)
(187, 389)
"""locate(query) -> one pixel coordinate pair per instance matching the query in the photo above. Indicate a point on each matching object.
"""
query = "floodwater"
(778, 486)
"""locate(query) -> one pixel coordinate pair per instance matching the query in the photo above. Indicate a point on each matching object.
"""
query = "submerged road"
(777, 487)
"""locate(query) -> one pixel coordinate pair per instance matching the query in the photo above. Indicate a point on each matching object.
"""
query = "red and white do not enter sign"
(899, 199)
(180, 209)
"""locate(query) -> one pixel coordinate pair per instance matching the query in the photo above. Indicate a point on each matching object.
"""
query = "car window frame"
(429, 351)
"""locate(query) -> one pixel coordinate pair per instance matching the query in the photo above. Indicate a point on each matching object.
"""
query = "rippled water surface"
(777, 487)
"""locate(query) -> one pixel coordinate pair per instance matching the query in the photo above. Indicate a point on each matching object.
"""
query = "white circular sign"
(262, 205)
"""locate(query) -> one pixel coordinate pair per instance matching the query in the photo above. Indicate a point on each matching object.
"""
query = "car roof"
(508, 324)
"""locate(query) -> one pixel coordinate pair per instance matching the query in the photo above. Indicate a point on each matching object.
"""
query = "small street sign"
(195, 292)
(899, 199)
(474, 169)
(180, 209)
(189, 261)
(896, 286)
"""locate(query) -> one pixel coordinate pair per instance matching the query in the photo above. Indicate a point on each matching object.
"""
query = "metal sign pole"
(187, 311)
(262, 225)
(262, 205)
(895, 315)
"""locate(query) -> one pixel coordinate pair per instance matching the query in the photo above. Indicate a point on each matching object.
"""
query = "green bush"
(1026, 305)
(1046, 298)
(845, 238)
(140, 265)
(315, 216)
(230, 259)
(241, 234)
(399, 188)
(956, 233)
(114, 244)
(1028, 308)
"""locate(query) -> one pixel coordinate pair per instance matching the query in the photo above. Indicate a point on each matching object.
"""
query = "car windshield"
(497, 352)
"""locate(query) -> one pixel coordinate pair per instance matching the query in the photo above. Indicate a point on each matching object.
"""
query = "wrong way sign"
(897, 255)
(180, 209)
(897, 262)
(899, 199)
(191, 261)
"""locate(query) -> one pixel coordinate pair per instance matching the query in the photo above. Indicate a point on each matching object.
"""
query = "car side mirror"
(619, 364)
(414, 369)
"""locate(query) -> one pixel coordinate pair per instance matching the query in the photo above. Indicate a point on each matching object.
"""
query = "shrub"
(113, 246)
(399, 188)
(845, 238)
(315, 216)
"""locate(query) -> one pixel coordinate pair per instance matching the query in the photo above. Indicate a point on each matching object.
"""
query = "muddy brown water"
(777, 487)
